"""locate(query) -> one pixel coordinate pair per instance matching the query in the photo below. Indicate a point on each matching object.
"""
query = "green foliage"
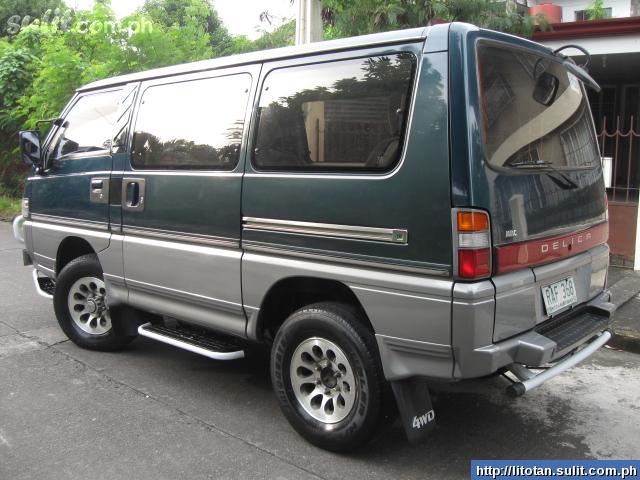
(42, 65)
(597, 11)
(193, 14)
(35, 9)
(345, 18)
(9, 207)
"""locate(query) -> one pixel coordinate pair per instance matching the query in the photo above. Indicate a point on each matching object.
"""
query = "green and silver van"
(381, 212)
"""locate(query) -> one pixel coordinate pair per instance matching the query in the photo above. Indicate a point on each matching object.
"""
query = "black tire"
(341, 325)
(81, 267)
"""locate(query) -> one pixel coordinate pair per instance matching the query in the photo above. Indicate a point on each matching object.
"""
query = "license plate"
(559, 295)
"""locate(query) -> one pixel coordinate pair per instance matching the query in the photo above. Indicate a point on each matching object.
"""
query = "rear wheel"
(80, 303)
(327, 376)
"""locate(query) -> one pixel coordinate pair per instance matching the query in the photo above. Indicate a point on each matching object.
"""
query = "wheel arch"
(71, 248)
(289, 294)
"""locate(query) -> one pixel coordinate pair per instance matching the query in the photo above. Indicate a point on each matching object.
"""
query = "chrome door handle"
(133, 190)
(99, 190)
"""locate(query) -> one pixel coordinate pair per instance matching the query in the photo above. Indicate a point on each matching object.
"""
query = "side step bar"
(44, 285)
(193, 341)
(530, 380)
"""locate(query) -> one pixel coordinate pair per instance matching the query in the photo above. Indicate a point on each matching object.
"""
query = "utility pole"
(309, 21)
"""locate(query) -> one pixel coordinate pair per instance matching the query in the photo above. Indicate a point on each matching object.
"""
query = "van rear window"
(335, 116)
(535, 113)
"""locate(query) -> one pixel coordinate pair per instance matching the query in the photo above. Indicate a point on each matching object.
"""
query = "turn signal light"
(474, 244)
(472, 221)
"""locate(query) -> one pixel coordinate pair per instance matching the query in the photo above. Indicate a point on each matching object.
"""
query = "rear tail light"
(474, 244)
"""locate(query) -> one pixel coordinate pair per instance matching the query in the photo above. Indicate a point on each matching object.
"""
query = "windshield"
(535, 113)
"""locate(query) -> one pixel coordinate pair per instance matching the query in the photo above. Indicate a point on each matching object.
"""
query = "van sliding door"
(181, 197)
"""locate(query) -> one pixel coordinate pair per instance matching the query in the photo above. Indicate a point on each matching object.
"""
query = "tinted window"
(337, 116)
(88, 125)
(535, 113)
(192, 125)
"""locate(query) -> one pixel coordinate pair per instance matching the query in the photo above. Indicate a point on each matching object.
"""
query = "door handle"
(133, 194)
(99, 190)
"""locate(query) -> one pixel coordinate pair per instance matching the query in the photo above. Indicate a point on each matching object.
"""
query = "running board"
(44, 285)
(530, 380)
(195, 341)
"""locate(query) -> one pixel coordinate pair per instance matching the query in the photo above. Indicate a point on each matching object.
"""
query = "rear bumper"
(547, 342)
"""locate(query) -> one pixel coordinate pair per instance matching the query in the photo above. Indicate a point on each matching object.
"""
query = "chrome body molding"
(181, 237)
(375, 234)
(378, 265)
(70, 222)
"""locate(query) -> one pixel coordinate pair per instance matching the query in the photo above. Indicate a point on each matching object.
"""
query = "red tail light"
(474, 244)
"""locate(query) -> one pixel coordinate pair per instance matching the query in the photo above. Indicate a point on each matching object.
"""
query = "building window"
(194, 124)
(583, 14)
(347, 115)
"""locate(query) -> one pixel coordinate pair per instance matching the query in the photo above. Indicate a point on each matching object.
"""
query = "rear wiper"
(548, 165)
(539, 163)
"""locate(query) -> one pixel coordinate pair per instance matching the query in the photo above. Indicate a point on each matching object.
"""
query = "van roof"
(397, 36)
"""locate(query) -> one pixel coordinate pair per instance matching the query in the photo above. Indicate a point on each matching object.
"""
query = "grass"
(9, 207)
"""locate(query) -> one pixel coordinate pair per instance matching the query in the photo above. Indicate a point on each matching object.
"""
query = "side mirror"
(30, 149)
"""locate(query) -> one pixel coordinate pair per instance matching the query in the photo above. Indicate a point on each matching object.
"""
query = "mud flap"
(416, 411)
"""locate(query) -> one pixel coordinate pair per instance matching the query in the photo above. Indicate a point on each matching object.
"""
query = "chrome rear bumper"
(530, 380)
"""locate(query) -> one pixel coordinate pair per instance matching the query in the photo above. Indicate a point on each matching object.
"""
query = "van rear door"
(534, 166)
(541, 155)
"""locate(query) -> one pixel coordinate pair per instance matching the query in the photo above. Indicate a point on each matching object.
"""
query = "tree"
(41, 66)
(356, 17)
(190, 13)
(282, 36)
(17, 10)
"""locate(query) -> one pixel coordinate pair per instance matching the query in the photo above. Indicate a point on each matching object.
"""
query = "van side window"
(338, 116)
(88, 125)
(195, 124)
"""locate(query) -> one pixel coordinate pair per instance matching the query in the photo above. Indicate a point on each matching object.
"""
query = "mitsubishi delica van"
(381, 212)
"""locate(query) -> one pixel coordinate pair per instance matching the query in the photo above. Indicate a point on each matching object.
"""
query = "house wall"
(622, 233)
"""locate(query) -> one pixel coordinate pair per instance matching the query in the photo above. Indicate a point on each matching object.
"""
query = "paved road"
(156, 412)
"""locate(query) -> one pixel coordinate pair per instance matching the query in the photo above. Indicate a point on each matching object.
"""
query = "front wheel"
(80, 304)
(327, 376)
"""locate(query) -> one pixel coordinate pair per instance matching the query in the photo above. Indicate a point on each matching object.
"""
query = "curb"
(626, 340)
(621, 292)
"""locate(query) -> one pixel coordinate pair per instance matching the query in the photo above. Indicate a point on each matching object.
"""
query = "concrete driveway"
(156, 412)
